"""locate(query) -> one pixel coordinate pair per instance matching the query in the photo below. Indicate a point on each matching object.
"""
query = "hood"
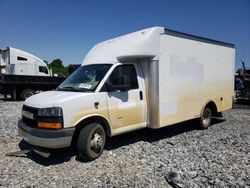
(53, 98)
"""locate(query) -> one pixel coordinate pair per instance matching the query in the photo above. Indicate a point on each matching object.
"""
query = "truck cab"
(18, 62)
(95, 96)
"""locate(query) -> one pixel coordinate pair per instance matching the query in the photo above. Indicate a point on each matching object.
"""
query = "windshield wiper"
(71, 88)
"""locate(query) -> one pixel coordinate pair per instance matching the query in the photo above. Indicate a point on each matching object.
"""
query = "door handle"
(141, 95)
(96, 104)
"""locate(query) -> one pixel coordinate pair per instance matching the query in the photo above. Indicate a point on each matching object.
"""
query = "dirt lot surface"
(180, 155)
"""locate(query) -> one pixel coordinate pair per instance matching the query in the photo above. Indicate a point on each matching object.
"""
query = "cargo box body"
(190, 72)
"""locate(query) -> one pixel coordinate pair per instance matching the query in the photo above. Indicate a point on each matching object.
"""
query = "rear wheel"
(206, 118)
(26, 94)
(91, 141)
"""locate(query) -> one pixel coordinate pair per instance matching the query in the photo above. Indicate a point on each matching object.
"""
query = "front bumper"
(52, 139)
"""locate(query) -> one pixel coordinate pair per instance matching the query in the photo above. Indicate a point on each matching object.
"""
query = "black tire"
(26, 94)
(206, 118)
(91, 141)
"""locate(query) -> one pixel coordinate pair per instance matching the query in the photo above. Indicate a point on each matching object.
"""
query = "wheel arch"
(91, 119)
(213, 107)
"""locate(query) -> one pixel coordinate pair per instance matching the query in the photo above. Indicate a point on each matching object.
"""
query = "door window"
(124, 73)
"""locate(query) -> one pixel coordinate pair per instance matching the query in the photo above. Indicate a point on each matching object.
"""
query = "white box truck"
(150, 78)
(22, 74)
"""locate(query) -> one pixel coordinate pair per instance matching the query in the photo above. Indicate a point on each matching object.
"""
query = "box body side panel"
(192, 73)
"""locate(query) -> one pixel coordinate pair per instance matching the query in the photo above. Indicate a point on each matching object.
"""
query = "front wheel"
(206, 118)
(91, 141)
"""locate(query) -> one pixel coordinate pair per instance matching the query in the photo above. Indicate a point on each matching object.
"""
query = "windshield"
(85, 78)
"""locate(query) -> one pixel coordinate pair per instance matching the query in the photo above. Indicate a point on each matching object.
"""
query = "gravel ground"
(180, 155)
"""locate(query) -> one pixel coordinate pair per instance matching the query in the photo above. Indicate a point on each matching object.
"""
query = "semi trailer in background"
(151, 78)
(23, 74)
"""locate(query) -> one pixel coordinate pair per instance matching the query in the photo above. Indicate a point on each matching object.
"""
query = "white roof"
(25, 54)
(143, 43)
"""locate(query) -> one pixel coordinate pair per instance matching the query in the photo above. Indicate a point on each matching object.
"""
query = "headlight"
(53, 111)
(50, 118)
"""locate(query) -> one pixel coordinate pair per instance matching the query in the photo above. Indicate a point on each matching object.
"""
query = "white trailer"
(151, 78)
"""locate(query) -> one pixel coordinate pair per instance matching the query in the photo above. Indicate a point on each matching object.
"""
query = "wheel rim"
(97, 141)
(28, 95)
(206, 118)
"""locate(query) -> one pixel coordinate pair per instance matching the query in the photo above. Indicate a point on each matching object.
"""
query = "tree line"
(58, 68)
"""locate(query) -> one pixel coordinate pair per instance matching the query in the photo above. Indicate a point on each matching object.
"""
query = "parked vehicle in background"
(242, 83)
(18, 62)
(23, 74)
(150, 78)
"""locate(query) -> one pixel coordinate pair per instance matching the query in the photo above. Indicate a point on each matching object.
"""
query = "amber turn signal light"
(49, 125)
